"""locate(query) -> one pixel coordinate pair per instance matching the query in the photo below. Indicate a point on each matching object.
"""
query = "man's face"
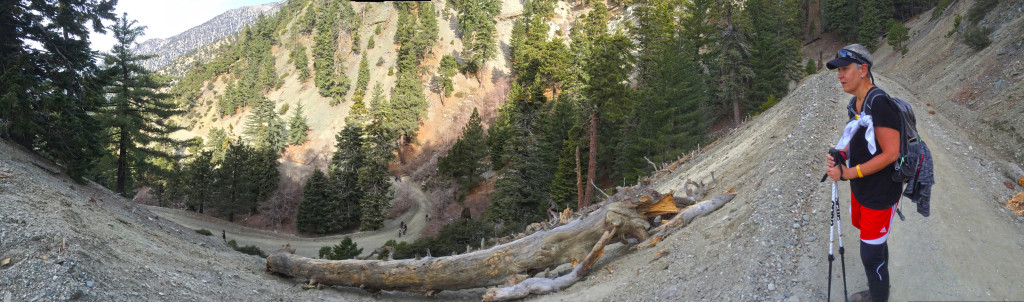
(850, 76)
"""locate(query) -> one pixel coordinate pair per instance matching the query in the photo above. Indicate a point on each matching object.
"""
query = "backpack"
(914, 157)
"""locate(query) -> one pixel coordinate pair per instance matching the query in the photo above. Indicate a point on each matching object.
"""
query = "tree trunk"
(579, 180)
(429, 275)
(398, 147)
(592, 161)
(122, 164)
(736, 112)
(582, 239)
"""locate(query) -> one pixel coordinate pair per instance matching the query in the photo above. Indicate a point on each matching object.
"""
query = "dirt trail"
(970, 247)
(771, 242)
(307, 246)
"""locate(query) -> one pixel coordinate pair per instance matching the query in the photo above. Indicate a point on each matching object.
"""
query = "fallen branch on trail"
(624, 219)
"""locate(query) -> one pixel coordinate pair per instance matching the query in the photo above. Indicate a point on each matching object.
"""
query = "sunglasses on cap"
(852, 55)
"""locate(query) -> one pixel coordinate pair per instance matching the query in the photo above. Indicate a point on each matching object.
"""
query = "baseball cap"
(853, 53)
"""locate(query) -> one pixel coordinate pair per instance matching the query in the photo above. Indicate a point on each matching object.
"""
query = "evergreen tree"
(774, 49)
(236, 193)
(477, 27)
(344, 177)
(445, 71)
(344, 250)
(465, 159)
(136, 114)
(872, 23)
(264, 127)
(406, 107)
(217, 141)
(198, 177)
(329, 76)
(607, 70)
(519, 190)
(363, 80)
(311, 217)
(49, 91)
(297, 127)
(733, 72)
(301, 61)
(264, 175)
(898, 33)
(373, 177)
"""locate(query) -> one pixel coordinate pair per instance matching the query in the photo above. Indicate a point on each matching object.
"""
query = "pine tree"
(872, 23)
(898, 33)
(344, 177)
(373, 178)
(297, 127)
(301, 61)
(137, 114)
(733, 72)
(607, 70)
(264, 127)
(344, 250)
(406, 107)
(198, 177)
(362, 81)
(49, 91)
(236, 193)
(310, 217)
(477, 27)
(774, 49)
(329, 76)
(519, 190)
(217, 141)
(465, 159)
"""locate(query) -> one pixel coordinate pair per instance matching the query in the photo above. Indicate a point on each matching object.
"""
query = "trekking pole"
(839, 228)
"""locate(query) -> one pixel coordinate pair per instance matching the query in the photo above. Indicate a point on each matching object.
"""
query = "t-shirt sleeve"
(884, 113)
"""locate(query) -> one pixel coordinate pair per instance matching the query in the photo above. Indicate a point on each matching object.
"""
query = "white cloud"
(164, 19)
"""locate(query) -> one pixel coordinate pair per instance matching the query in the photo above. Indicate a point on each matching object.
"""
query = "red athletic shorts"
(873, 224)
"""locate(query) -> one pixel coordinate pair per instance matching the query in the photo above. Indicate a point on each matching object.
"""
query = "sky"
(164, 18)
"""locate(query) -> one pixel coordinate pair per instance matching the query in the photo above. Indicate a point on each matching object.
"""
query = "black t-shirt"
(876, 191)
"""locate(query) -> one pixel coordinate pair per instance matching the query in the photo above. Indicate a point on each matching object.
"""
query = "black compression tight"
(876, 266)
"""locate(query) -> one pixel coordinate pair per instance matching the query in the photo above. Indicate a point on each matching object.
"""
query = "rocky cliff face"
(220, 27)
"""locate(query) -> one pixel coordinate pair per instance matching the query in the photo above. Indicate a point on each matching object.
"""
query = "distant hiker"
(871, 143)
(224, 235)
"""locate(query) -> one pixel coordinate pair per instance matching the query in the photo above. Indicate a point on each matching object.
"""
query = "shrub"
(204, 232)
(940, 8)
(380, 61)
(977, 37)
(346, 249)
(810, 68)
(980, 9)
(248, 249)
(378, 30)
(956, 25)
(283, 110)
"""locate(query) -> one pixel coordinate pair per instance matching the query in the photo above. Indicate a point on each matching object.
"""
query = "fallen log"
(473, 270)
(583, 238)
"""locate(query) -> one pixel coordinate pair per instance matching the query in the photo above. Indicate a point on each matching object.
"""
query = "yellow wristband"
(859, 175)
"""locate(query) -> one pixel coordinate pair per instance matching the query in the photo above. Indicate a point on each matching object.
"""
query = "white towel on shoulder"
(851, 129)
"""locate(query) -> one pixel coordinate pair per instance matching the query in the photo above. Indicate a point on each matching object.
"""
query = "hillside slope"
(767, 244)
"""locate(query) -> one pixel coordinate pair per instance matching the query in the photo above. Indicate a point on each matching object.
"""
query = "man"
(871, 144)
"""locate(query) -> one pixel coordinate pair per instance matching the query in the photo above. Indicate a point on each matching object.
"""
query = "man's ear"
(864, 70)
